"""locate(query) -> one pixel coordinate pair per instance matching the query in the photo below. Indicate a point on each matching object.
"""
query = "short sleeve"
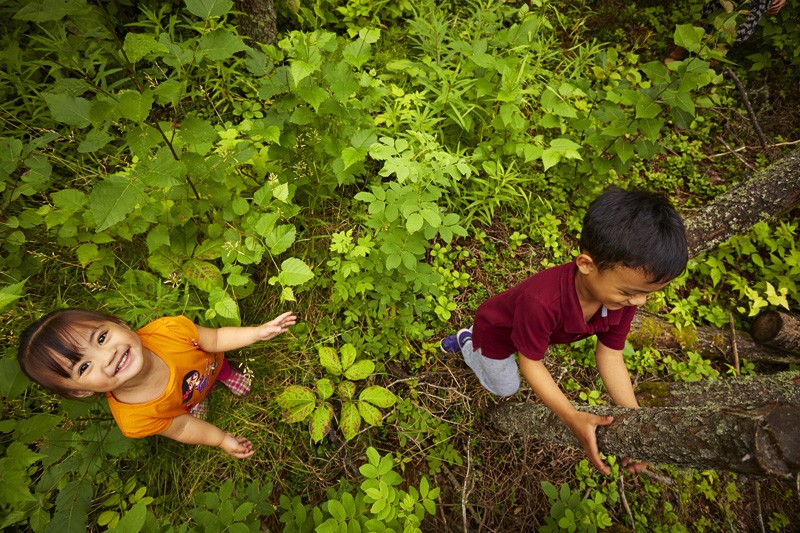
(534, 321)
(616, 335)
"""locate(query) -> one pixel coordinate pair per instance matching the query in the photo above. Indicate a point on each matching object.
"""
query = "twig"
(464, 491)
(658, 477)
(746, 147)
(625, 499)
(758, 504)
(733, 346)
(740, 158)
(750, 113)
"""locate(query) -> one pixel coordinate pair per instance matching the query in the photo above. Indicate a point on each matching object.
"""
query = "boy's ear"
(585, 263)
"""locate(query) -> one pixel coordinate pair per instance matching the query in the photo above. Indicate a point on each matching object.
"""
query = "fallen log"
(758, 441)
(778, 330)
(748, 391)
(772, 191)
(650, 330)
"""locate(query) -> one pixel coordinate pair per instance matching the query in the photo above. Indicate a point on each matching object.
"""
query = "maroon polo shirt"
(543, 310)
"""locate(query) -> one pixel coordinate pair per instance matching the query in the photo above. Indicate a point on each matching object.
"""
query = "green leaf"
(414, 222)
(329, 359)
(301, 70)
(370, 414)
(324, 388)
(224, 306)
(10, 294)
(202, 274)
(294, 272)
(195, 130)
(72, 507)
(350, 421)
(94, 141)
(221, 44)
(138, 45)
(48, 10)
(379, 396)
(114, 199)
(280, 238)
(360, 370)
(689, 36)
(71, 110)
(209, 8)
(136, 106)
(133, 519)
(348, 355)
(346, 389)
(321, 421)
(647, 108)
(13, 381)
(298, 403)
(87, 252)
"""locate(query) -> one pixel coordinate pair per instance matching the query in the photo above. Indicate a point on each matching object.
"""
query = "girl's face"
(112, 360)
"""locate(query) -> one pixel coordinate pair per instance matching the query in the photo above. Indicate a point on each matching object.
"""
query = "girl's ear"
(585, 263)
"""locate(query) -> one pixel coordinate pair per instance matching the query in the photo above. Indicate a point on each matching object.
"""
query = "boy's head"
(54, 343)
(635, 229)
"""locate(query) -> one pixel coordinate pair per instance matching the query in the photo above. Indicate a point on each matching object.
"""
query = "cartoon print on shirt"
(190, 382)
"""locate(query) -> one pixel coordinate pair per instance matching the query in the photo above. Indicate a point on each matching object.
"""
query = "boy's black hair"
(636, 229)
(53, 340)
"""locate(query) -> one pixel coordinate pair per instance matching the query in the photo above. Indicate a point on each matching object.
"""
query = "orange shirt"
(192, 373)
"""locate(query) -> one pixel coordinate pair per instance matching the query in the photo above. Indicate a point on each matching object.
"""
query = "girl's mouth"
(123, 362)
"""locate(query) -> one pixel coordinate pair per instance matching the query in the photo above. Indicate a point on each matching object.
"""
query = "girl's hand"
(276, 326)
(236, 446)
(584, 426)
(776, 6)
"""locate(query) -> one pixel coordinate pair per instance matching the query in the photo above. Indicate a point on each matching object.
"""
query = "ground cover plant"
(380, 171)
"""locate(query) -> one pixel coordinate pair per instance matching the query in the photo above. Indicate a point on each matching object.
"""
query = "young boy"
(633, 243)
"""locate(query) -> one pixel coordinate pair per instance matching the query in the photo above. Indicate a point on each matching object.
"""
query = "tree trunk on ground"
(778, 330)
(760, 441)
(749, 392)
(649, 329)
(770, 192)
(259, 21)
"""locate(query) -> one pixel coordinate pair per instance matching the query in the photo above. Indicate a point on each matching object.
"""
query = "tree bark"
(648, 329)
(757, 441)
(749, 392)
(771, 191)
(259, 21)
(778, 330)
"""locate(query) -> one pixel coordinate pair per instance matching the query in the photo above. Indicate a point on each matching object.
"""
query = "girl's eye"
(101, 338)
(83, 368)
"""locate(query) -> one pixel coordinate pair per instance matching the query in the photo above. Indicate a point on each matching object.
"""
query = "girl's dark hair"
(636, 229)
(54, 338)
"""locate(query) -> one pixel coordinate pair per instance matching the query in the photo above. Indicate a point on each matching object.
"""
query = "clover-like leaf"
(347, 390)
(321, 421)
(360, 370)
(329, 359)
(324, 388)
(379, 396)
(297, 402)
(348, 355)
(370, 414)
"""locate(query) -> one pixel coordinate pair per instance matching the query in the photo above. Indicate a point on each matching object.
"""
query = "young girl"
(156, 379)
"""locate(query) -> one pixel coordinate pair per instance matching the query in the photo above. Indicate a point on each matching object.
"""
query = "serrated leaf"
(10, 294)
(689, 36)
(297, 402)
(134, 105)
(138, 45)
(94, 141)
(202, 274)
(329, 359)
(209, 8)
(294, 272)
(370, 414)
(221, 44)
(280, 238)
(379, 396)
(360, 370)
(321, 422)
(113, 199)
(225, 306)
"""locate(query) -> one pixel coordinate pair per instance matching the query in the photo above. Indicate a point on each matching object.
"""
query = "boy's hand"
(584, 426)
(776, 6)
(237, 446)
(276, 326)
(634, 467)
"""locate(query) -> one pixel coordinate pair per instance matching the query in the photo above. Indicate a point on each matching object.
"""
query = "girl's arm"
(190, 430)
(230, 338)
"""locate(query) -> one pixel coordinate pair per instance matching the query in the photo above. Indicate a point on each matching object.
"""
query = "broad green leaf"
(10, 294)
(138, 45)
(280, 238)
(225, 306)
(221, 44)
(360, 370)
(321, 421)
(348, 355)
(414, 222)
(162, 171)
(49, 10)
(379, 396)
(157, 237)
(72, 507)
(297, 402)
(647, 108)
(370, 414)
(195, 130)
(281, 192)
(202, 274)
(113, 199)
(209, 8)
(651, 127)
(294, 272)
(136, 106)
(301, 70)
(689, 36)
(133, 519)
(346, 390)
(87, 252)
(329, 359)
(12, 380)
(95, 140)
(324, 388)
(71, 110)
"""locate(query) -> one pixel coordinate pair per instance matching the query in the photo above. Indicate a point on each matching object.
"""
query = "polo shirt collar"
(571, 311)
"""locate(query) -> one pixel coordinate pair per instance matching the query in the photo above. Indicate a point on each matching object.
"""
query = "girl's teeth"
(123, 361)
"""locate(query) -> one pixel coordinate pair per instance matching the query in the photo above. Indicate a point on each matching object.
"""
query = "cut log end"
(776, 442)
(766, 326)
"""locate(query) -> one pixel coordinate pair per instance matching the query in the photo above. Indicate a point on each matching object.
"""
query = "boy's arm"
(230, 338)
(190, 430)
(583, 425)
(611, 366)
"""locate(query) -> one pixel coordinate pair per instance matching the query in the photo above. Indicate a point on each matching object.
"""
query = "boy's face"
(615, 287)
(112, 358)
